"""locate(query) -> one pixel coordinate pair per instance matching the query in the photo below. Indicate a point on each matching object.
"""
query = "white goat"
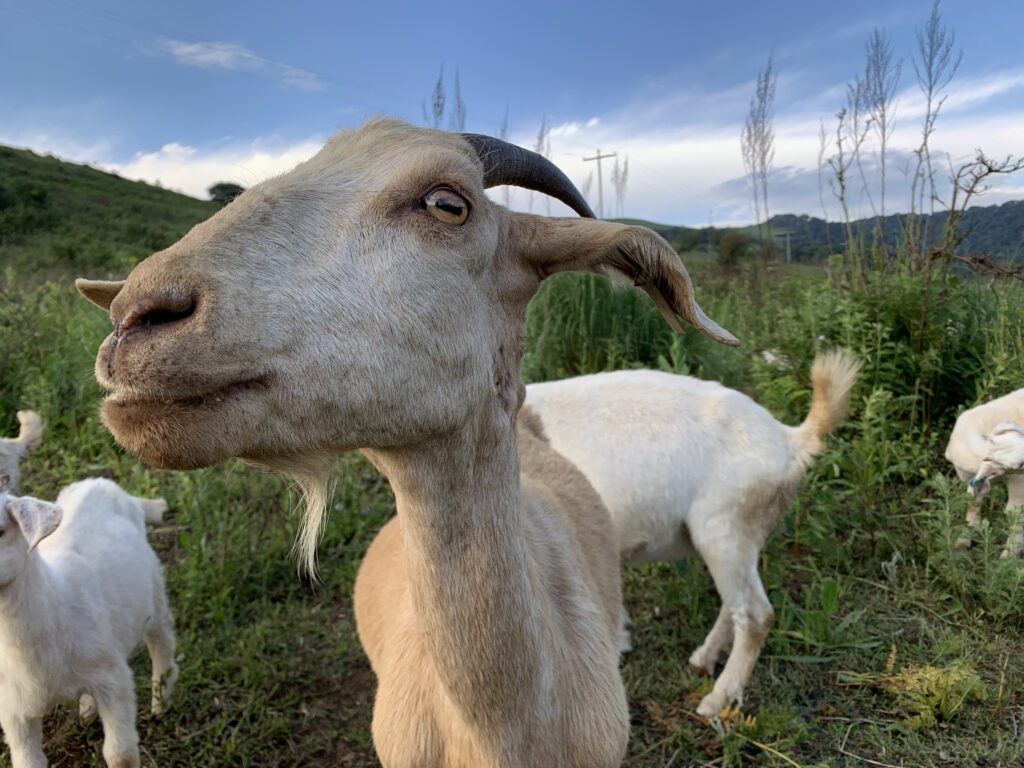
(969, 445)
(685, 464)
(14, 449)
(1005, 455)
(80, 588)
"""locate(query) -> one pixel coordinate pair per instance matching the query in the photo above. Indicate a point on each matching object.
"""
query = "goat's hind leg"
(159, 638)
(86, 708)
(115, 702)
(733, 566)
(24, 735)
(706, 657)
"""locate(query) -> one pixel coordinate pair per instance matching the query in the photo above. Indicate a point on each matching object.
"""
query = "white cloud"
(237, 58)
(191, 170)
(692, 172)
(59, 144)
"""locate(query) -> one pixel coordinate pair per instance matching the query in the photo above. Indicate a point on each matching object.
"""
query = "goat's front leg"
(115, 702)
(1015, 512)
(973, 523)
(25, 738)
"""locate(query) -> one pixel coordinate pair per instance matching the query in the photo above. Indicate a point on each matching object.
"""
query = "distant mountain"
(994, 229)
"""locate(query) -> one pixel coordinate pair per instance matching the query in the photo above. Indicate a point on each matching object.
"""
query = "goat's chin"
(180, 434)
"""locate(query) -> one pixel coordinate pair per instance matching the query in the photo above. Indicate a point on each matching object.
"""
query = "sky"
(192, 93)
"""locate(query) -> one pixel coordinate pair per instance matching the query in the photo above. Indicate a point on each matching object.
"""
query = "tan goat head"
(370, 298)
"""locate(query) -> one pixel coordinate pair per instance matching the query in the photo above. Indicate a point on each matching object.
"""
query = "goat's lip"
(208, 399)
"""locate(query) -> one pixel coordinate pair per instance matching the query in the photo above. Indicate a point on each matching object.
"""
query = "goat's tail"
(31, 434)
(153, 508)
(832, 376)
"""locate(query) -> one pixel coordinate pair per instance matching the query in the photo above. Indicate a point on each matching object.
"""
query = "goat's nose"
(158, 310)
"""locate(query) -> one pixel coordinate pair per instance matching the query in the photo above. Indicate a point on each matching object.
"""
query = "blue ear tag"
(975, 482)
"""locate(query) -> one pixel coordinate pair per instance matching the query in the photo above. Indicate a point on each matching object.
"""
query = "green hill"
(57, 216)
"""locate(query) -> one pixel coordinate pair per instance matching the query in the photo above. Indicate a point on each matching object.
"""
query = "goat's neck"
(29, 610)
(474, 588)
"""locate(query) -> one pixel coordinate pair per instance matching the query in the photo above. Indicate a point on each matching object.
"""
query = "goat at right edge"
(683, 465)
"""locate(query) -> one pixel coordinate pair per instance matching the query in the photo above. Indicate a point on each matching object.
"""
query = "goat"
(683, 465)
(80, 588)
(374, 298)
(14, 449)
(969, 445)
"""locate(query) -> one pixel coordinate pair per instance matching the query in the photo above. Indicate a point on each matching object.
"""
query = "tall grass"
(864, 563)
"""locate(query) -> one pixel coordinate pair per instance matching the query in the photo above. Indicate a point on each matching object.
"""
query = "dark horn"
(506, 163)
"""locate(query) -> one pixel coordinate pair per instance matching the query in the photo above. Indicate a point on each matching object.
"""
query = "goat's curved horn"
(506, 163)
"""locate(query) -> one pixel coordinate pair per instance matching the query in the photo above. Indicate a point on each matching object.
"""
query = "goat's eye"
(446, 205)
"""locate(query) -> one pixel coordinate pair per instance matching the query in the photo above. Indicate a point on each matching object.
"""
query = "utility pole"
(600, 186)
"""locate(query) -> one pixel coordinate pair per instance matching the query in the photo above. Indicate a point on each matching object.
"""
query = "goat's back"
(101, 557)
(659, 447)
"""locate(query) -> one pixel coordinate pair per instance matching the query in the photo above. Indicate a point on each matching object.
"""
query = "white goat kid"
(80, 588)
(14, 449)
(970, 444)
(685, 464)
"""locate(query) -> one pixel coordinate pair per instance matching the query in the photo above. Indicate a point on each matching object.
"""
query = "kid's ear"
(100, 292)
(36, 519)
(552, 245)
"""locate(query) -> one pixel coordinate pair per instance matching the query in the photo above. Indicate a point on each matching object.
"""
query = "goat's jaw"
(186, 432)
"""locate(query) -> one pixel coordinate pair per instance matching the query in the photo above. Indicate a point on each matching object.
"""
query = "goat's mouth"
(209, 400)
(187, 432)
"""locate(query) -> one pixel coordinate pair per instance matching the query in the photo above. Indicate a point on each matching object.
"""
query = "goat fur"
(80, 589)
(684, 465)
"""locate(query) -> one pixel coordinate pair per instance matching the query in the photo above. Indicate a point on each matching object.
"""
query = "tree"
(758, 144)
(457, 115)
(437, 101)
(543, 148)
(224, 192)
(503, 135)
(620, 177)
(881, 77)
(935, 65)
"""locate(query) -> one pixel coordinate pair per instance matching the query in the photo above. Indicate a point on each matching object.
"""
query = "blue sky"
(195, 92)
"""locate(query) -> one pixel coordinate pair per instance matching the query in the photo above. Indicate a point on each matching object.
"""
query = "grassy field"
(890, 647)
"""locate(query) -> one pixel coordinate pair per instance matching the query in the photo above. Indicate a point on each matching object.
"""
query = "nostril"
(157, 311)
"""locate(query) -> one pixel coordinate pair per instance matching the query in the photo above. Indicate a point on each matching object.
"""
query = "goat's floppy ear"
(99, 292)
(37, 519)
(552, 245)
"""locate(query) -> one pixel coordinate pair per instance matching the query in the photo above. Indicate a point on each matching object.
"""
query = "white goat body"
(683, 465)
(72, 610)
(970, 444)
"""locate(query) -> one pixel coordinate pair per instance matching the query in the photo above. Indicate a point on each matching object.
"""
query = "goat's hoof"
(700, 663)
(163, 691)
(86, 709)
(711, 706)
(964, 542)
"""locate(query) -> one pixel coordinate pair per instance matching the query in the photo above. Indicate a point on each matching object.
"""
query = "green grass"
(862, 572)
